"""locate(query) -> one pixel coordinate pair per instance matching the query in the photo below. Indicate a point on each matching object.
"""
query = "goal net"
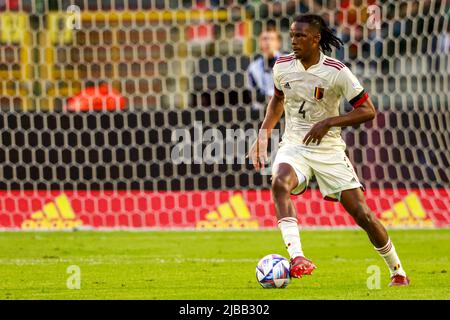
(94, 93)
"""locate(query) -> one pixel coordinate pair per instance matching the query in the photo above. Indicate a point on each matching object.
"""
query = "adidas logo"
(408, 212)
(287, 86)
(56, 215)
(232, 215)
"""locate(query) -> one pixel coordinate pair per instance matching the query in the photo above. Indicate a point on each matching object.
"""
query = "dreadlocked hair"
(327, 38)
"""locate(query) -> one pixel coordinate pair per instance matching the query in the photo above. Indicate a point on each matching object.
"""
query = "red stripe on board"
(188, 209)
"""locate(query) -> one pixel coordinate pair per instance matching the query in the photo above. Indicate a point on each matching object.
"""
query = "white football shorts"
(333, 170)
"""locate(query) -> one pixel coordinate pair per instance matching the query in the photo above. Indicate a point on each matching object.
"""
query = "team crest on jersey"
(318, 93)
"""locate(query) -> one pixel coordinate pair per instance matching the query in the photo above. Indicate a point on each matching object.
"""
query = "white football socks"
(291, 236)
(390, 256)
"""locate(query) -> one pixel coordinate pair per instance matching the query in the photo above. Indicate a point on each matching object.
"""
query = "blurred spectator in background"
(443, 44)
(9, 5)
(260, 81)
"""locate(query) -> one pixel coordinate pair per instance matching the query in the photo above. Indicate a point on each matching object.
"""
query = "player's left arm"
(364, 112)
(363, 109)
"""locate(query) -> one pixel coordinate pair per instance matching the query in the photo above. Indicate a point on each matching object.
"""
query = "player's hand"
(258, 153)
(317, 132)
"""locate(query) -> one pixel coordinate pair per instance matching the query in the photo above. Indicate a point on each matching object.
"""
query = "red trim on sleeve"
(278, 93)
(364, 97)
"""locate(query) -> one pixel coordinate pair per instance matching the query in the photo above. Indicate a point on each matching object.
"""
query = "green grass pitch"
(214, 265)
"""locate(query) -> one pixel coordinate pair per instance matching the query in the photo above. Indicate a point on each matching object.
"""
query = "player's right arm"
(275, 109)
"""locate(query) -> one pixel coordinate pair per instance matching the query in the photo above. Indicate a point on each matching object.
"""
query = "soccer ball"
(272, 271)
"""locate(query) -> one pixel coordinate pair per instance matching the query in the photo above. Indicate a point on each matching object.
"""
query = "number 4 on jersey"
(303, 112)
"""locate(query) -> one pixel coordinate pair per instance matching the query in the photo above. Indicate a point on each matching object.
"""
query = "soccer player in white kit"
(309, 86)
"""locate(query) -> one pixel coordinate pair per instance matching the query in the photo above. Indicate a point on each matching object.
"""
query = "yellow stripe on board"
(50, 211)
(213, 215)
(239, 206)
(388, 214)
(401, 210)
(63, 204)
(37, 215)
(415, 206)
(225, 211)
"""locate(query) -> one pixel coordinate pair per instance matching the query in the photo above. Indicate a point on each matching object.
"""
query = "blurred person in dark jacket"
(260, 79)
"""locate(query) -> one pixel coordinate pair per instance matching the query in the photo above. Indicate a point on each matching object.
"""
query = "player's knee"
(280, 185)
(364, 216)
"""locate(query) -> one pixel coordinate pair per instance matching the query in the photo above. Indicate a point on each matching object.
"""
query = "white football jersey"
(313, 95)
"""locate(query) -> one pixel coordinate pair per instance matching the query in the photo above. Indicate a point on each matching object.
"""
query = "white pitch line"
(116, 260)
